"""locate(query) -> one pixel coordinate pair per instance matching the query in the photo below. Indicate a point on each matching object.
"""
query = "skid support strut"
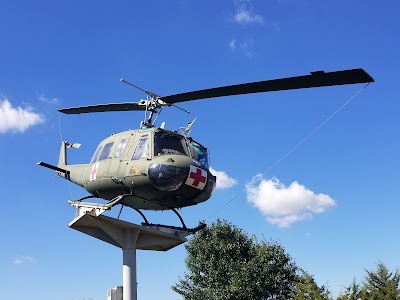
(180, 218)
(92, 208)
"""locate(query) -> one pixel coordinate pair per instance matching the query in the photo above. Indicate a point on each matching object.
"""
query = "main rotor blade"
(316, 79)
(127, 106)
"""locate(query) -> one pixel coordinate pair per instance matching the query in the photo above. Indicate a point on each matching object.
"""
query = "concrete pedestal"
(128, 237)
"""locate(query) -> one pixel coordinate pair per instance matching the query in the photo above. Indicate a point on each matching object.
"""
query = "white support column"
(128, 237)
(129, 274)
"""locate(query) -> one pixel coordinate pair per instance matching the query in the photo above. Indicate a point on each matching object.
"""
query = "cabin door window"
(142, 148)
(120, 148)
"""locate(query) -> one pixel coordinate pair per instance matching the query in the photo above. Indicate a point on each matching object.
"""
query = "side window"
(199, 153)
(106, 151)
(142, 148)
(95, 155)
(120, 148)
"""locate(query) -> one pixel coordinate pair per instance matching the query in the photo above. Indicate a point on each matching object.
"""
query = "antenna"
(186, 132)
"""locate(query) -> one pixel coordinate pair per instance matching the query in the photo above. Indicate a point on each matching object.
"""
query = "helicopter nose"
(167, 178)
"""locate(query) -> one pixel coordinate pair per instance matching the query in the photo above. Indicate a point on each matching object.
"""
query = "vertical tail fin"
(62, 160)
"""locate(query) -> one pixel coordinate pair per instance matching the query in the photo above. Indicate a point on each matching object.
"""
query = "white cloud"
(223, 180)
(245, 47)
(51, 101)
(282, 205)
(17, 118)
(244, 16)
(22, 259)
(232, 44)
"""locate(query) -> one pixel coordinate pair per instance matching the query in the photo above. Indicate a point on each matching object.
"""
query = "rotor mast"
(152, 103)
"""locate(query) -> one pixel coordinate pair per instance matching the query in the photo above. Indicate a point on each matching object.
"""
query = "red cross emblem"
(93, 172)
(197, 178)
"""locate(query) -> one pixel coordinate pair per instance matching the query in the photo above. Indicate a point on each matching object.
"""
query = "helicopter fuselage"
(157, 169)
(152, 168)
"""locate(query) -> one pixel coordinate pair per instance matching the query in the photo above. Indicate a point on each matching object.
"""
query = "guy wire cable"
(295, 147)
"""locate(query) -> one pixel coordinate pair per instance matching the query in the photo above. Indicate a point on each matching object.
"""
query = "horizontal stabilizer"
(43, 164)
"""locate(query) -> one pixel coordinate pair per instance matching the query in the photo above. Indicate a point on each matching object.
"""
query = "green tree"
(353, 292)
(382, 284)
(379, 284)
(307, 289)
(225, 263)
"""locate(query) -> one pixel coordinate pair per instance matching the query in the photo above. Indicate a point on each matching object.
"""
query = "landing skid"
(96, 209)
(183, 228)
(190, 230)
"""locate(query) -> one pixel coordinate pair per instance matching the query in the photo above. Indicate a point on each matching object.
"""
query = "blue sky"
(333, 202)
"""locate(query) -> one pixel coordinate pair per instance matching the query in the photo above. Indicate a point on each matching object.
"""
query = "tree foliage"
(379, 284)
(382, 284)
(225, 263)
(307, 288)
(353, 292)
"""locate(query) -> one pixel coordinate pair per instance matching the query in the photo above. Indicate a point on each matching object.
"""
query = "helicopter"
(152, 168)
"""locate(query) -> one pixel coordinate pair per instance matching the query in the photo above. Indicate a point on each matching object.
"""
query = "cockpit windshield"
(199, 153)
(169, 143)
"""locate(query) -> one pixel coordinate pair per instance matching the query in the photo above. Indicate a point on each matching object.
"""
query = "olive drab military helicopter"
(153, 168)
